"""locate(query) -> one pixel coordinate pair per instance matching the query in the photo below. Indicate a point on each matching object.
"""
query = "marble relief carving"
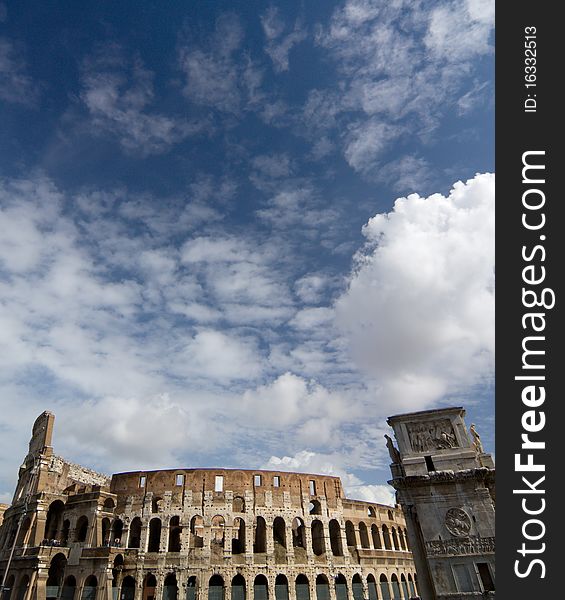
(433, 435)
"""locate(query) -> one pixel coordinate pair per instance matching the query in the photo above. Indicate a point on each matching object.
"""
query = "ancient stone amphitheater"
(195, 534)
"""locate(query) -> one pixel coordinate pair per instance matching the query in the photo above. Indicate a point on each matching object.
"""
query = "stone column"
(228, 532)
(308, 541)
(270, 542)
(164, 540)
(41, 585)
(144, 536)
(289, 546)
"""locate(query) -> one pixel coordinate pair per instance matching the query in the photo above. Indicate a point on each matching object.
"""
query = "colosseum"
(195, 534)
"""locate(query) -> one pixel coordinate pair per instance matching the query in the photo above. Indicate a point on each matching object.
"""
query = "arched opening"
(156, 504)
(260, 544)
(281, 587)
(69, 588)
(372, 587)
(260, 588)
(24, 530)
(335, 538)
(363, 535)
(134, 540)
(170, 587)
(216, 588)
(386, 538)
(411, 585)
(357, 587)
(302, 587)
(128, 588)
(390, 515)
(238, 587)
(116, 532)
(106, 532)
(238, 504)
(322, 588)
(54, 519)
(340, 587)
(238, 536)
(385, 590)
(118, 566)
(279, 532)
(109, 505)
(298, 533)
(55, 576)
(154, 535)
(81, 529)
(149, 585)
(90, 588)
(371, 512)
(196, 532)
(404, 585)
(22, 587)
(318, 542)
(191, 588)
(218, 530)
(395, 587)
(174, 534)
(376, 537)
(395, 543)
(65, 532)
(7, 592)
(315, 508)
(350, 534)
(406, 539)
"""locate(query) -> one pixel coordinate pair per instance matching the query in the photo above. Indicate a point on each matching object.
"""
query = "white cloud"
(278, 45)
(16, 85)
(419, 311)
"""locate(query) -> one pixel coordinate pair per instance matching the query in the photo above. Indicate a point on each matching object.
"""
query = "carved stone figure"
(476, 439)
(393, 452)
(457, 522)
(434, 435)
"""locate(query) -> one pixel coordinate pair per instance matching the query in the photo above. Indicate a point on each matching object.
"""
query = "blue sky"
(242, 234)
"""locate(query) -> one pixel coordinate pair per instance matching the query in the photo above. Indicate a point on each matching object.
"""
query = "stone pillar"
(308, 541)
(164, 540)
(270, 545)
(289, 546)
(144, 536)
(31, 590)
(228, 533)
(39, 531)
(41, 585)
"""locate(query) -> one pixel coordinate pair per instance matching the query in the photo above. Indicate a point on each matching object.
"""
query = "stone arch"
(238, 536)
(404, 585)
(315, 508)
(106, 538)
(335, 538)
(90, 588)
(385, 589)
(260, 588)
(281, 587)
(260, 544)
(55, 575)
(134, 539)
(372, 587)
(216, 588)
(22, 587)
(54, 519)
(170, 587)
(218, 530)
(318, 542)
(81, 529)
(411, 585)
(357, 587)
(109, 504)
(128, 588)
(238, 587)
(279, 532)
(24, 530)
(390, 515)
(396, 595)
(371, 512)
(364, 535)
(350, 534)
(395, 544)
(322, 587)
(191, 588)
(197, 531)
(386, 538)
(340, 587)
(298, 533)
(238, 504)
(149, 585)
(376, 537)
(302, 587)
(154, 542)
(116, 532)
(69, 588)
(175, 531)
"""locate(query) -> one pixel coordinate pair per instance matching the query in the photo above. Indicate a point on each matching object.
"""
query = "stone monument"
(445, 484)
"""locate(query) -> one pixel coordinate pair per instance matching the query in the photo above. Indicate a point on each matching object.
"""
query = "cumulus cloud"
(419, 311)
(306, 461)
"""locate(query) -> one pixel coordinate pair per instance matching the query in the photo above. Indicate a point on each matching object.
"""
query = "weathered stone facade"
(195, 534)
(445, 485)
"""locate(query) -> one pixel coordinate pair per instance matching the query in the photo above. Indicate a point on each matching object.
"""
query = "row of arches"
(392, 539)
